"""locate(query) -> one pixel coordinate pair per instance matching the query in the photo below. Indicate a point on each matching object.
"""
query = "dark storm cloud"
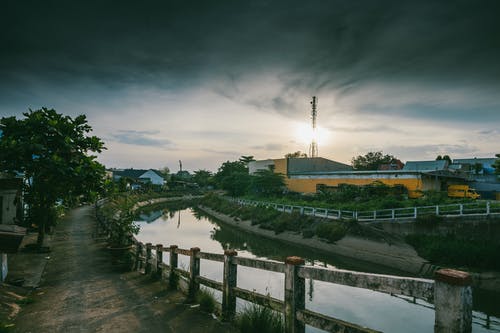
(329, 47)
(140, 138)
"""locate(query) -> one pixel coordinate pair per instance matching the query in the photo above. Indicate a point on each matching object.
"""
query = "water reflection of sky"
(379, 311)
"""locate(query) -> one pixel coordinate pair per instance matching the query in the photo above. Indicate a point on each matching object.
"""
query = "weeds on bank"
(206, 300)
(270, 219)
(256, 318)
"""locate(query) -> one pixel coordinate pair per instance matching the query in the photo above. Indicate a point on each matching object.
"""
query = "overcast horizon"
(209, 81)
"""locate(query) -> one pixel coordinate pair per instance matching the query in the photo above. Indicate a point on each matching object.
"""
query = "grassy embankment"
(458, 249)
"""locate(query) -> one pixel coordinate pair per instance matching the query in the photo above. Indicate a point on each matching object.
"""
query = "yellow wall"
(413, 182)
(309, 185)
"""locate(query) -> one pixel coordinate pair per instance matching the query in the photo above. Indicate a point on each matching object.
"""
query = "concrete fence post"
(313, 213)
(461, 209)
(487, 208)
(194, 272)
(147, 269)
(159, 260)
(228, 283)
(138, 253)
(340, 214)
(174, 259)
(437, 210)
(415, 212)
(452, 301)
(374, 214)
(295, 290)
(301, 210)
(393, 214)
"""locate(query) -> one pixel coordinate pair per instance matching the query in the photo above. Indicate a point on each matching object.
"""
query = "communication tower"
(313, 148)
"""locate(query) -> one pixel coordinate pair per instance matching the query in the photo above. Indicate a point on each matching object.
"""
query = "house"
(11, 211)
(306, 175)
(11, 207)
(138, 177)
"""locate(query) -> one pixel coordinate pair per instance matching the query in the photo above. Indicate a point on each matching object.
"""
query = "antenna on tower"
(313, 148)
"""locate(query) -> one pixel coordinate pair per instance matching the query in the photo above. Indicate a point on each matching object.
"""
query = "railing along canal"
(450, 291)
(480, 208)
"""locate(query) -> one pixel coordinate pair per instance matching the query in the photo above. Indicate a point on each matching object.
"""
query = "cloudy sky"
(207, 81)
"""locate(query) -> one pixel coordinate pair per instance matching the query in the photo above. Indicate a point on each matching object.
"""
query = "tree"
(246, 159)
(53, 153)
(267, 182)
(297, 154)
(233, 177)
(203, 178)
(496, 165)
(444, 157)
(371, 161)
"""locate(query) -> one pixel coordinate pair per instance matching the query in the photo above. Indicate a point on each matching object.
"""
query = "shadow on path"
(81, 291)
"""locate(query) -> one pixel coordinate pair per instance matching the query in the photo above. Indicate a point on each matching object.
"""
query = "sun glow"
(305, 134)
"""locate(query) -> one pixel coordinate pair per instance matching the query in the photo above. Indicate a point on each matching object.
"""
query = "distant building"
(395, 164)
(480, 175)
(306, 175)
(140, 176)
(11, 205)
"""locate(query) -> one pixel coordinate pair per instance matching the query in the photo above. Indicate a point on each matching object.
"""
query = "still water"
(188, 228)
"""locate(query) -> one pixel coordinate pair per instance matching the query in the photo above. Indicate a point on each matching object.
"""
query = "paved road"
(81, 291)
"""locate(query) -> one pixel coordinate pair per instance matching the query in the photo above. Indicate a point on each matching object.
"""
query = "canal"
(189, 228)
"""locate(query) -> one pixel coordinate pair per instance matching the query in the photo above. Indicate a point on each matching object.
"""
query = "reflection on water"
(188, 228)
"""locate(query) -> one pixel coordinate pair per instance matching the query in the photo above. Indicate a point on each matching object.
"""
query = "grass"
(457, 251)
(206, 300)
(260, 319)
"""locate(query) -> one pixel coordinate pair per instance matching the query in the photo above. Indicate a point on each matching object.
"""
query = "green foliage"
(496, 165)
(233, 177)
(267, 183)
(256, 318)
(206, 300)
(55, 154)
(457, 251)
(371, 161)
(118, 215)
(331, 231)
(297, 154)
(203, 178)
(430, 220)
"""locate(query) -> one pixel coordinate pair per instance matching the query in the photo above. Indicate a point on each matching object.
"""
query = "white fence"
(478, 208)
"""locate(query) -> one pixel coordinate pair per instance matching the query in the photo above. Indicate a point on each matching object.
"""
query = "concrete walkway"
(81, 291)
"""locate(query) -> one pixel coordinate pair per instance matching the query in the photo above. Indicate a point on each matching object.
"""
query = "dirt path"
(81, 291)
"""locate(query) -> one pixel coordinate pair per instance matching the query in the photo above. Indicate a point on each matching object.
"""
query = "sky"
(208, 81)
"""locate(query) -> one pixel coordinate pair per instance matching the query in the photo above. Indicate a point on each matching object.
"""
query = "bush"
(206, 300)
(259, 319)
(332, 231)
(457, 251)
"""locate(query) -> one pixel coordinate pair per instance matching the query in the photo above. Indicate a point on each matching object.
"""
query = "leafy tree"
(203, 178)
(233, 177)
(444, 157)
(496, 165)
(267, 182)
(371, 161)
(297, 154)
(53, 152)
(246, 159)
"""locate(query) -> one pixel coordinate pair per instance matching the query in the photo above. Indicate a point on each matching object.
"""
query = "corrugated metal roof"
(426, 165)
(132, 173)
(315, 164)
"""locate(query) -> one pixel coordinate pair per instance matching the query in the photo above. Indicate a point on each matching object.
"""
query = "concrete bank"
(398, 256)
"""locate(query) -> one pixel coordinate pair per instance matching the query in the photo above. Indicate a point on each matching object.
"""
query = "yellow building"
(305, 175)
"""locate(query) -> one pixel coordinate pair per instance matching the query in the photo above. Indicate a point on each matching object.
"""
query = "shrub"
(206, 300)
(260, 319)
(332, 231)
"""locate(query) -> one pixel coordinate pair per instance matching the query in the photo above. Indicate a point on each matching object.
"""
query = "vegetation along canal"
(189, 228)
